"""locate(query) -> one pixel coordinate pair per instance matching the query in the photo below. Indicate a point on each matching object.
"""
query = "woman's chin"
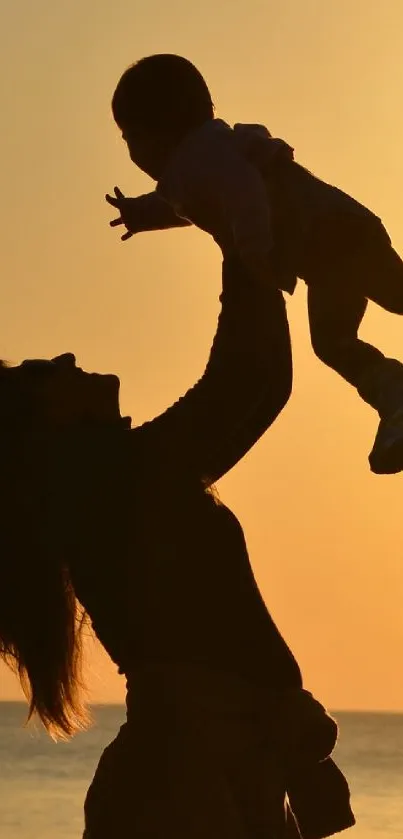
(106, 378)
(105, 399)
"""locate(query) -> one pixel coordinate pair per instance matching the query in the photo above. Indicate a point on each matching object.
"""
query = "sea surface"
(43, 784)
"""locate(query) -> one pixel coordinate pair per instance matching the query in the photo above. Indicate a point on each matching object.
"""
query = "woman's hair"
(41, 621)
(162, 93)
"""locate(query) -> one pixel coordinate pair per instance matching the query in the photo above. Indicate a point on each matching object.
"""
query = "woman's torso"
(164, 574)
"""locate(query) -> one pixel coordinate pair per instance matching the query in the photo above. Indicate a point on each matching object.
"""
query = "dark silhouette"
(284, 225)
(125, 520)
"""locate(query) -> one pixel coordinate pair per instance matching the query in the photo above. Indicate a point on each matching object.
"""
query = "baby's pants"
(350, 260)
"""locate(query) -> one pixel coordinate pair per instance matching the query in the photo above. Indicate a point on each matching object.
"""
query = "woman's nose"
(67, 359)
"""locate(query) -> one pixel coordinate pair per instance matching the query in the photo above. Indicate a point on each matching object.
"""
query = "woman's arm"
(245, 385)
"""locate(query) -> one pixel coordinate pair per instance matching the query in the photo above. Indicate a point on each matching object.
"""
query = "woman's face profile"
(64, 395)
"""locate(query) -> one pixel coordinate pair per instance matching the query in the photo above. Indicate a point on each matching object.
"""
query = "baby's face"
(146, 150)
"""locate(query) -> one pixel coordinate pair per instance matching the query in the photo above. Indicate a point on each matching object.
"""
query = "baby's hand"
(129, 214)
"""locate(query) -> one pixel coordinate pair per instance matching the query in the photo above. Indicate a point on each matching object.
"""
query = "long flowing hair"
(41, 621)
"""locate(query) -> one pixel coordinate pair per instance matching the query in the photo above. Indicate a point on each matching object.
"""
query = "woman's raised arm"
(245, 385)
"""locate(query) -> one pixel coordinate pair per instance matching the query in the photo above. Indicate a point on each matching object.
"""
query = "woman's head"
(55, 394)
(41, 621)
(157, 101)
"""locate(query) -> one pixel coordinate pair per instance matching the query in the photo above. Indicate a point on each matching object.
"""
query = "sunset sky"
(325, 535)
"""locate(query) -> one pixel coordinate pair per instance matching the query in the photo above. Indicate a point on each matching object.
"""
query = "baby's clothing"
(242, 186)
(210, 181)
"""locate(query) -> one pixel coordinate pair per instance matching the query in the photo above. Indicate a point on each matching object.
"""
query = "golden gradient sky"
(324, 534)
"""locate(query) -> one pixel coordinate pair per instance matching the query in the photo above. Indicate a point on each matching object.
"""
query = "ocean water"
(43, 784)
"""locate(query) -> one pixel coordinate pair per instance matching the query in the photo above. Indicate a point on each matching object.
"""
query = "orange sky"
(324, 534)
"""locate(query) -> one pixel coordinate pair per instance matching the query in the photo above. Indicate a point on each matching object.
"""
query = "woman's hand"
(129, 213)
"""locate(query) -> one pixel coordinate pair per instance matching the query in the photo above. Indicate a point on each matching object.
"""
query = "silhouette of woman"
(126, 523)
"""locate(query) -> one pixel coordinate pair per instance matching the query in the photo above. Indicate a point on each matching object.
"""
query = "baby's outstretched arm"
(146, 212)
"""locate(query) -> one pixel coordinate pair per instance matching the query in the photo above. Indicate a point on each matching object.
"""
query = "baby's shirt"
(219, 179)
(211, 182)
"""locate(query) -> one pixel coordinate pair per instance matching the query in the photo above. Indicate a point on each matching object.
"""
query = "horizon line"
(331, 710)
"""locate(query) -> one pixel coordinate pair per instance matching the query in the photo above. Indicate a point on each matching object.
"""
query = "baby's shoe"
(382, 387)
(386, 457)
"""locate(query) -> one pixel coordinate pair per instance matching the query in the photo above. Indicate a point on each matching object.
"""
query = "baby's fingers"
(117, 199)
(116, 202)
(116, 221)
(126, 236)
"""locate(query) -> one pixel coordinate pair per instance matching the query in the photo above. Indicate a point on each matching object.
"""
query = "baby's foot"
(386, 457)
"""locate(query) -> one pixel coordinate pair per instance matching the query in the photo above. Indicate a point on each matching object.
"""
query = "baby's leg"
(335, 314)
(353, 261)
(379, 271)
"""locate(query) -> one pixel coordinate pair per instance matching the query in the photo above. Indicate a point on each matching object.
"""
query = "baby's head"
(157, 102)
